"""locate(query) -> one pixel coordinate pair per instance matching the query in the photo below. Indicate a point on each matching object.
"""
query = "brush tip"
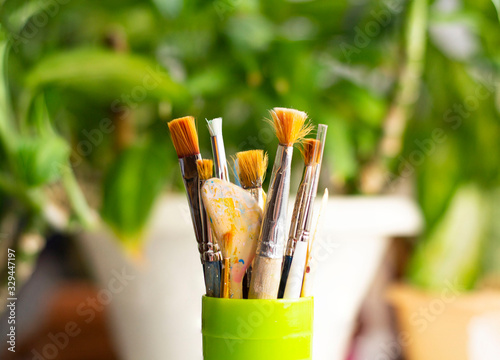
(215, 126)
(205, 168)
(251, 169)
(311, 151)
(290, 125)
(184, 136)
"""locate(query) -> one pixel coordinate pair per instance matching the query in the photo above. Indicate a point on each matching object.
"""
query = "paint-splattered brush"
(236, 218)
(296, 252)
(219, 153)
(251, 168)
(185, 139)
(290, 127)
(211, 256)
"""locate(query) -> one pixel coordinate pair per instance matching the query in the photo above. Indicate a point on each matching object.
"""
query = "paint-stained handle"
(212, 270)
(225, 279)
(266, 277)
(235, 289)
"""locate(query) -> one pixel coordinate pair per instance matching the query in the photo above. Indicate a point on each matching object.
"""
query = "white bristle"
(215, 126)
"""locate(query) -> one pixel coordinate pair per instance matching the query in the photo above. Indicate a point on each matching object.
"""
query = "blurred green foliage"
(409, 90)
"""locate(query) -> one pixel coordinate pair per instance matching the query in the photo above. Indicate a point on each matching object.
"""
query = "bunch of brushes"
(241, 230)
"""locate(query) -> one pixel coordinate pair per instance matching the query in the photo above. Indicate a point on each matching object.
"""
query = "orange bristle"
(205, 168)
(311, 151)
(184, 136)
(290, 125)
(252, 166)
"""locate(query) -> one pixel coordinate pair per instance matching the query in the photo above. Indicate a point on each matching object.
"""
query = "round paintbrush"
(290, 127)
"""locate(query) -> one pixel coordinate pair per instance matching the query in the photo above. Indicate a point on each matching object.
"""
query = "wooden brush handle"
(266, 276)
(225, 279)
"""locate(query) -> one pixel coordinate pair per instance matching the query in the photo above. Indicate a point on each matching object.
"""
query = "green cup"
(257, 329)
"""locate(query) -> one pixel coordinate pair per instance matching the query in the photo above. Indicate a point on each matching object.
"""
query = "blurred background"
(89, 180)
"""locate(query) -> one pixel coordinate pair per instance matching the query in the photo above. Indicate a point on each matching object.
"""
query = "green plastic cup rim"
(256, 319)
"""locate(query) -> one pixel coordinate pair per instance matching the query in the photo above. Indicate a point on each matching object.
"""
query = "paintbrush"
(302, 208)
(295, 254)
(185, 139)
(236, 218)
(218, 151)
(211, 256)
(290, 127)
(251, 170)
(310, 268)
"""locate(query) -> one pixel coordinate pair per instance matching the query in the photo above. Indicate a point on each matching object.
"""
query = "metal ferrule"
(272, 234)
(257, 194)
(209, 249)
(219, 154)
(302, 212)
(192, 185)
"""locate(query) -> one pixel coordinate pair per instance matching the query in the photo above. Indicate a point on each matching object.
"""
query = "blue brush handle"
(212, 271)
(287, 263)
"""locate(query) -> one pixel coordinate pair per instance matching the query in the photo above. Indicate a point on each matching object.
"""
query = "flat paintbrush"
(296, 252)
(251, 170)
(211, 256)
(185, 139)
(290, 127)
(218, 150)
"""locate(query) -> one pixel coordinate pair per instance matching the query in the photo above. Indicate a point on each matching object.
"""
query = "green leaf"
(491, 257)
(106, 76)
(18, 17)
(130, 189)
(7, 135)
(169, 8)
(210, 81)
(497, 6)
(39, 160)
(452, 252)
(251, 32)
(340, 149)
(41, 156)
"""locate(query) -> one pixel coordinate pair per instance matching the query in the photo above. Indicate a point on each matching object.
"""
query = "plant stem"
(76, 198)
(373, 179)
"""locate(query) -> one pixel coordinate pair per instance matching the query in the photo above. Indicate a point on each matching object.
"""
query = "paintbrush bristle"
(205, 168)
(290, 125)
(311, 151)
(252, 166)
(184, 136)
(215, 126)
